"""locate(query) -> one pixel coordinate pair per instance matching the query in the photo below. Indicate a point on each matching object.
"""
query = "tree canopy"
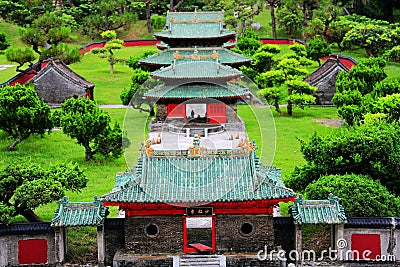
(83, 120)
(22, 113)
(360, 195)
(368, 149)
(45, 35)
(25, 187)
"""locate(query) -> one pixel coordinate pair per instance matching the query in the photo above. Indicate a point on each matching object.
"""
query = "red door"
(198, 234)
(32, 251)
(368, 246)
(216, 113)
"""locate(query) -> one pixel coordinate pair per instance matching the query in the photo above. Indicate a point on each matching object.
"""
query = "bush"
(360, 195)
(393, 54)
(369, 149)
(158, 22)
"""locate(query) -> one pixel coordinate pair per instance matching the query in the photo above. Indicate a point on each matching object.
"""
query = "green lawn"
(108, 86)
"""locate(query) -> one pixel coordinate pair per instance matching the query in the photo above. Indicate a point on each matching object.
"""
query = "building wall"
(385, 236)
(53, 88)
(161, 111)
(169, 238)
(9, 247)
(114, 234)
(3, 250)
(230, 238)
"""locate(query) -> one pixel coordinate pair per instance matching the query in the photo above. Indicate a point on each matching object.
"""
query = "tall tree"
(173, 7)
(108, 15)
(148, 15)
(360, 195)
(272, 5)
(22, 113)
(25, 187)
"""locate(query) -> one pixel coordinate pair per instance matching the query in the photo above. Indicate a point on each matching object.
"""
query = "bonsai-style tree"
(3, 42)
(45, 35)
(22, 113)
(83, 120)
(316, 49)
(25, 187)
(108, 50)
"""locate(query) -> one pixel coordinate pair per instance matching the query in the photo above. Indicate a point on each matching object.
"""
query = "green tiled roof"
(194, 25)
(196, 70)
(318, 211)
(166, 57)
(208, 178)
(79, 213)
(197, 90)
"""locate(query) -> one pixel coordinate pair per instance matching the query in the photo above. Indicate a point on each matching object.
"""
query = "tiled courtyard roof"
(32, 228)
(79, 213)
(318, 211)
(196, 70)
(189, 91)
(193, 25)
(166, 57)
(64, 71)
(180, 179)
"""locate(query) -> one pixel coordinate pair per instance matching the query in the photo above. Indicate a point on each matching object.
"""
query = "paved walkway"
(3, 66)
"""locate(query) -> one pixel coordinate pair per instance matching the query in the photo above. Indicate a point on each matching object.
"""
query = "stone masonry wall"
(167, 240)
(231, 239)
(161, 112)
(114, 238)
(9, 246)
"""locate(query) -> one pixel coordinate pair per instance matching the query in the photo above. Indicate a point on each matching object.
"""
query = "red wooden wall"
(216, 113)
(176, 111)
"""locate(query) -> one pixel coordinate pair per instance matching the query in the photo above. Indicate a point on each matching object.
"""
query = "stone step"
(201, 261)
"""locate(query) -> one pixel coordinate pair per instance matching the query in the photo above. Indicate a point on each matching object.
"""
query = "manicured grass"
(59, 148)
(286, 132)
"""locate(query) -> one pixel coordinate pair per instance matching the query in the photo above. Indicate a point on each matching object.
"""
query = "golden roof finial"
(214, 55)
(176, 55)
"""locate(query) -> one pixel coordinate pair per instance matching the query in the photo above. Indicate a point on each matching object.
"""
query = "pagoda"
(198, 186)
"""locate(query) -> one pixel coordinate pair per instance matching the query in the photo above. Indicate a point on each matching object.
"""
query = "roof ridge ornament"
(196, 150)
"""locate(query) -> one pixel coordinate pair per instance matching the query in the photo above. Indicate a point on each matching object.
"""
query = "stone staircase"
(200, 261)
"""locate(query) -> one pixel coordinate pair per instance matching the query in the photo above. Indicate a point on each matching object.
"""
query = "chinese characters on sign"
(196, 211)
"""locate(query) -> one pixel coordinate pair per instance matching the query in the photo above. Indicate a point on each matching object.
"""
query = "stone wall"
(161, 112)
(167, 237)
(9, 247)
(249, 261)
(53, 88)
(231, 238)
